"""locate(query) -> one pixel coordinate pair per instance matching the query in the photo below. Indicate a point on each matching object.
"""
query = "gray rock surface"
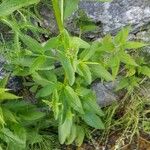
(15, 83)
(118, 13)
(105, 93)
(2, 73)
(111, 16)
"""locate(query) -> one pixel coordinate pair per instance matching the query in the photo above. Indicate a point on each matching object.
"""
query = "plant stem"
(62, 11)
(58, 15)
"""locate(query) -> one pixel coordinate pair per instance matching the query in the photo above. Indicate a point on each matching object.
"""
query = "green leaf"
(11, 136)
(55, 104)
(64, 39)
(32, 44)
(40, 80)
(34, 137)
(66, 63)
(46, 91)
(73, 99)
(25, 61)
(114, 64)
(85, 72)
(107, 44)
(91, 106)
(37, 63)
(89, 27)
(81, 91)
(122, 36)
(87, 54)
(2, 121)
(122, 84)
(127, 59)
(3, 82)
(1, 148)
(51, 43)
(8, 96)
(80, 136)
(101, 72)
(64, 129)
(134, 45)
(93, 120)
(32, 115)
(9, 6)
(8, 115)
(70, 7)
(72, 135)
(145, 70)
(78, 42)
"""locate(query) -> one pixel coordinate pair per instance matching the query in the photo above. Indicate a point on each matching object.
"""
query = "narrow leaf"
(134, 45)
(66, 63)
(46, 91)
(32, 44)
(9, 6)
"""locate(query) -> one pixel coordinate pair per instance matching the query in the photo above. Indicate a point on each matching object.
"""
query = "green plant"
(62, 69)
(21, 124)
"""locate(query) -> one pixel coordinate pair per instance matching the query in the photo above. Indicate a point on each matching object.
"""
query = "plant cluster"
(61, 71)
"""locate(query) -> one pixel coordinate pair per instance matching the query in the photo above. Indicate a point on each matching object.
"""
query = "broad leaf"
(122, 84)
(87, 54)
(93, 120)
(80, 136)
(107, 44)
(91, 106)
(51, 43)
(101, 72)
(32, 115)
(72, 135)
(70, 7)
(122, 36)
(37, 63)
(79, 43)
(38, 79)
(64, 129)
(32, 44)
(73, 99)
(85, 70)
(11, 136)
(127, 59)
(145, 70)
(46, 91)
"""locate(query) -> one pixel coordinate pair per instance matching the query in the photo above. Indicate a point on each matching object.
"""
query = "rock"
(14, 83)
(2, 72)
(145, 37)
(105, 93)
(110, 15)
(118, 13)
